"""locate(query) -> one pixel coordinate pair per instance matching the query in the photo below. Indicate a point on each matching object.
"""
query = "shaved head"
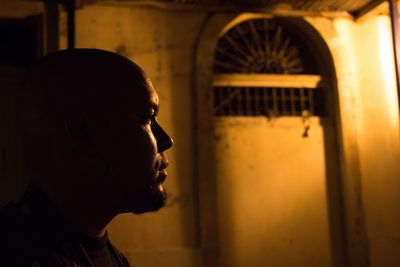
(91, 126)
(86, 80)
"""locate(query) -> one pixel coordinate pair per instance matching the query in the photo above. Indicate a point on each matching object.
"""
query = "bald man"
(93, 149)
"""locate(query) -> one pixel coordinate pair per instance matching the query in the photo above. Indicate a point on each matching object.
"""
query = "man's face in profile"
(130, 142)
(135, 144)
(148, 142)
(107, 109)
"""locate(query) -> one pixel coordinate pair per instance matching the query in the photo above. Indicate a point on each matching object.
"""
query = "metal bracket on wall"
(306, 115)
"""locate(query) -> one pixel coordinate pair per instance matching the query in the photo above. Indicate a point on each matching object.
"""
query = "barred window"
(262, 68)
(266, 101)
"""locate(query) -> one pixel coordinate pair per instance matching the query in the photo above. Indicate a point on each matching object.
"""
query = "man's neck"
(85, 214)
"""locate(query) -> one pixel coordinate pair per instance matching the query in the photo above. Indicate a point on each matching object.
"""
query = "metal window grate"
(267, 101)
(263, 46)
(263, 67)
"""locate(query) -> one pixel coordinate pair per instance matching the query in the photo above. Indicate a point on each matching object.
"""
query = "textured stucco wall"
(363, 58)
(379, 139)
(272, 193)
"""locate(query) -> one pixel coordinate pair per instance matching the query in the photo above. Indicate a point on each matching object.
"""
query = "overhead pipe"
(51, 31)
(70, 7)
(394, 18)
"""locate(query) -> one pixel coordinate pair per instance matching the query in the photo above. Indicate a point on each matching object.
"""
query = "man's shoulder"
(11, 230)
(13, 240)
(118, 256)
(21, 244)
(24, 243)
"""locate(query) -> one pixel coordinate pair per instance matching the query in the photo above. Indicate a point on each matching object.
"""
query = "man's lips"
(162, 175)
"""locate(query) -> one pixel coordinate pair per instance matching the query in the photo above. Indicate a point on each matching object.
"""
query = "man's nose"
(164, 141)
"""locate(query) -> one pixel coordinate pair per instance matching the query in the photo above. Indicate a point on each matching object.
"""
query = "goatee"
(151, 200)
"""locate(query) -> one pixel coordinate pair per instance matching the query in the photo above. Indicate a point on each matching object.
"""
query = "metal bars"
(262, 69)
(267, 101)
(268, 80)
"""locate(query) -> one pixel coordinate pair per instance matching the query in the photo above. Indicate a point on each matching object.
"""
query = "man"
(94, 149)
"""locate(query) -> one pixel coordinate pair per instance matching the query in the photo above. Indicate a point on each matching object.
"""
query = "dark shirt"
(34, 234)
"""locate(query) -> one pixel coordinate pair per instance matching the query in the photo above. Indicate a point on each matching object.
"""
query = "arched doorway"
(274, 177)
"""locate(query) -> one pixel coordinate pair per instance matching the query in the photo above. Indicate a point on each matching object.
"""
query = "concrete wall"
(379, 140)
(363, 58)
(378, 135)
(272, 193)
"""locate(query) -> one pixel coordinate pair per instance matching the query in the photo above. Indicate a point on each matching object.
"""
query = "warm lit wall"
(379, 138)
(363, 57)
(162, 43)
(272, 193)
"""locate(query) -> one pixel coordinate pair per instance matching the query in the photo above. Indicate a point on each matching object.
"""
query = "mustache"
(163, 165)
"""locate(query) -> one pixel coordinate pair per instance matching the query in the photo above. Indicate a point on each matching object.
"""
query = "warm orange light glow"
(345, 30)
(388, 68)
(243, 17)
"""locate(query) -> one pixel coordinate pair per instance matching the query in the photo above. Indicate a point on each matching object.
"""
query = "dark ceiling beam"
(367, 8)
(279, 10)
(329, 8)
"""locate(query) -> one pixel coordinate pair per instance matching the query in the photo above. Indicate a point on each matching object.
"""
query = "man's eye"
(148, 119)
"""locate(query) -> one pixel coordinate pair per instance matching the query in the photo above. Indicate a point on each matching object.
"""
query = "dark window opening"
(21, 41)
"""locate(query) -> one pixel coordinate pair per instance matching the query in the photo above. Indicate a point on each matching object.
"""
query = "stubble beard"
(149, 201)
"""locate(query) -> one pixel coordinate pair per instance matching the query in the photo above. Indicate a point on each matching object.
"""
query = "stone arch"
(214, 27)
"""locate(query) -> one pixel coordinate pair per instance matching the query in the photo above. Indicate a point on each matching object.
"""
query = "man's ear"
(75, 129)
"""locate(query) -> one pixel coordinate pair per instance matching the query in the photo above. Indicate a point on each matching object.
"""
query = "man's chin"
(150, 201)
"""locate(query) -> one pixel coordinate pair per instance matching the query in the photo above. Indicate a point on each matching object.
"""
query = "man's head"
(93, 125)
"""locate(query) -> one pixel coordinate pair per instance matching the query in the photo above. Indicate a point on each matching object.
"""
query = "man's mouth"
(162, 176)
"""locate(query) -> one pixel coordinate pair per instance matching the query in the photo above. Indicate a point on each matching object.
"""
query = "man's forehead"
(139, 97)
(153, 97)
(133, 83)
(98, 81)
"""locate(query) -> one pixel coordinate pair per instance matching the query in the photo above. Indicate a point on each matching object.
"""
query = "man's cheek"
(147, 148)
